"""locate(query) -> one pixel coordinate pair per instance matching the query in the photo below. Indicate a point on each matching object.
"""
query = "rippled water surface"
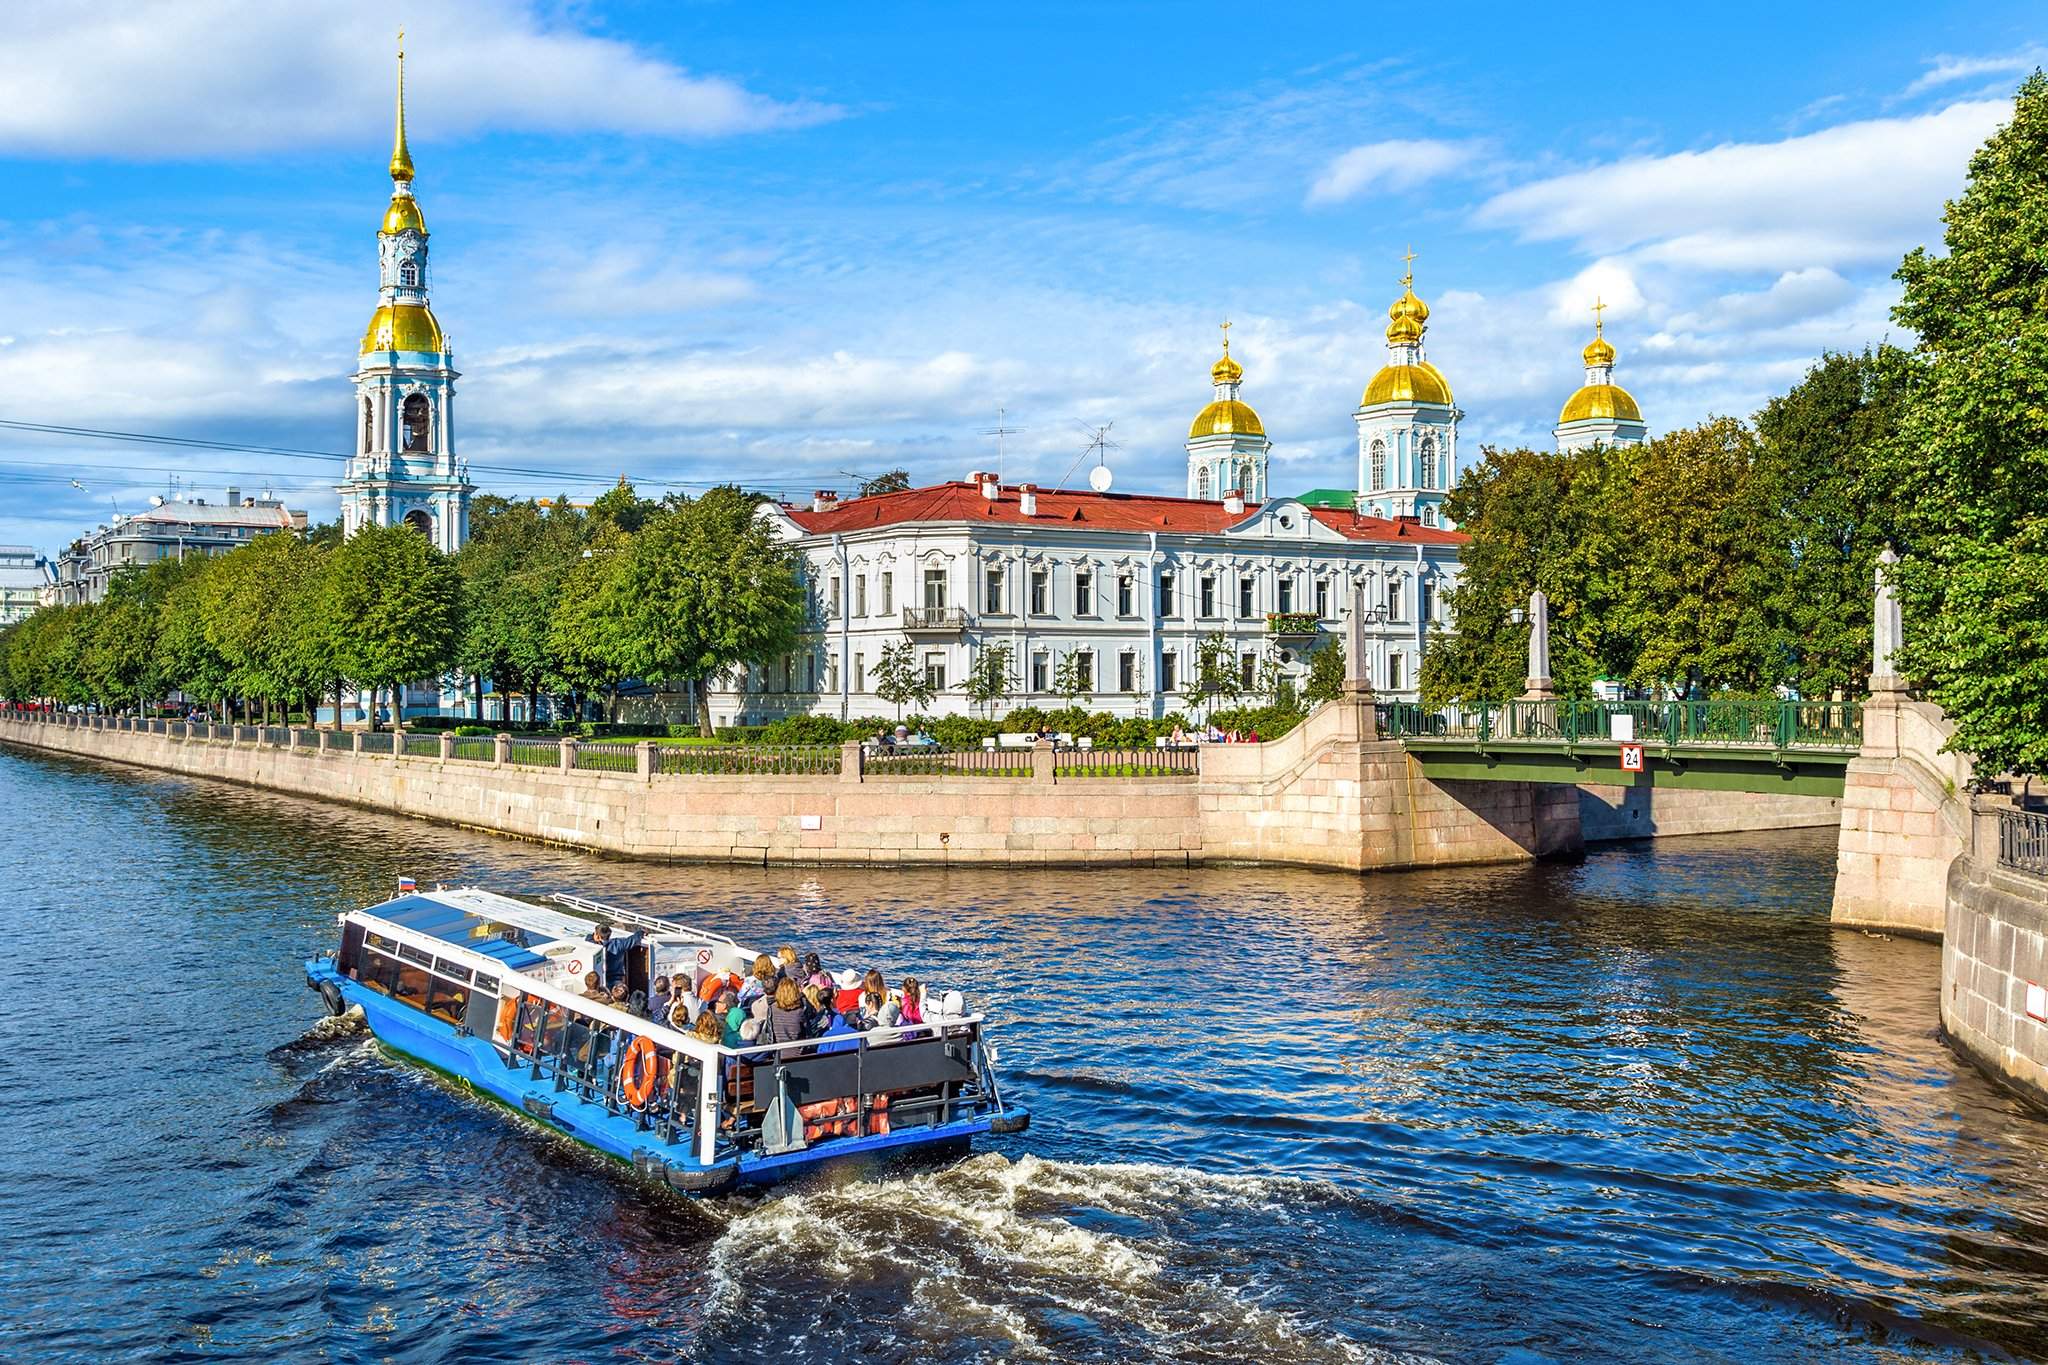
(1649, 1107)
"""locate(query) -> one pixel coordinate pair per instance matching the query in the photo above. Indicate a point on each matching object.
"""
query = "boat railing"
(653, 924)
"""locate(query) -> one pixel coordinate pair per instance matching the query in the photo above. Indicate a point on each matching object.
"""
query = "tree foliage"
(1970, 462)
(391, 603)
(899, 680)
(991, 676)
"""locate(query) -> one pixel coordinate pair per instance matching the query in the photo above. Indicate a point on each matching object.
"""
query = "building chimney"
(1027, 499)
(234, 497)
(1233, 502)
(824, 500)
(991, 487)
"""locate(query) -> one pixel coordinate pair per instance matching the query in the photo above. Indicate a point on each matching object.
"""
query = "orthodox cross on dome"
(1408, 277)
(1226, 336)
(1599, 307)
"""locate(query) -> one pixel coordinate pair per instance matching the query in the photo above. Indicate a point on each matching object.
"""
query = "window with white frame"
(1169, 606)
(888, 593)
(860, 674)
(1394, 682)
(1248, 670)
(1169, 671)
(1322, 599)
(1084, 592)
(1041, 673)
(935, 671)
(832, 597)
(1127, 672)
(992, 596)
(860, 594)
(1206, 603)
(935, 590)
(1247, 590)
(1286, 592)
(1393, 599)
(1041, 592)
(1379, 465)
(1126, 595)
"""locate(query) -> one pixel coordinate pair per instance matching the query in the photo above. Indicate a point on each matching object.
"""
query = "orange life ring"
(637, 1072)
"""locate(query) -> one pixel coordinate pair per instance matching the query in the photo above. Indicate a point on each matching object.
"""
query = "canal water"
(1649, 1107)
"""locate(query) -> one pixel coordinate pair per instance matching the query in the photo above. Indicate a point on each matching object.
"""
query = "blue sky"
(779, 242)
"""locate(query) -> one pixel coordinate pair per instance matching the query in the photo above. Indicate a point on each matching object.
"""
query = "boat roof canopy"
(474, 929)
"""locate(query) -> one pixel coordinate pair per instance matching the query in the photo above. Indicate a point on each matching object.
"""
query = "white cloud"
(1854, 194)
(1399, 164)
(1947, 69)
(202, 78)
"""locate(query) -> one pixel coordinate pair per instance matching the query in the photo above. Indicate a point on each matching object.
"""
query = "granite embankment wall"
(1641, 811)
(1994, 963)
(1905, 820)
(1325, 795)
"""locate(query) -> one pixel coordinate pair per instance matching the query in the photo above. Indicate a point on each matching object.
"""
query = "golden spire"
(1407, 314)
(1598, 351)
(401, 159)
(1226, 370)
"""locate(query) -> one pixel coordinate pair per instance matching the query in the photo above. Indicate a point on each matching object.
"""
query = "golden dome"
(404, 213)
(1227, 417)
(1598, 352)
(1418, 383)
(1600, 402)
(404, 327)
(1226, 370)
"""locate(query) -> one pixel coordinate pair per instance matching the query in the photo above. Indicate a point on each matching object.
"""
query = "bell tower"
(1407, 424)
(404, 468)
(1227, 445)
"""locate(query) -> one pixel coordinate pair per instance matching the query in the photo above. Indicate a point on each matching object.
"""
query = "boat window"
(379, 941)
(448, 1001)
(454, 969)
(412, 986)
(379, 973)
(412, 954)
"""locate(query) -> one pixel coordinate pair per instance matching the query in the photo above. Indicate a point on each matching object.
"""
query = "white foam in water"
(981, 1265)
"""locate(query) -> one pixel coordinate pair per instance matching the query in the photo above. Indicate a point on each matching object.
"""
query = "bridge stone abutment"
(1905, 820)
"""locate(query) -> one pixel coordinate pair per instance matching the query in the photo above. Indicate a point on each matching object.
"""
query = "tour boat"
(489, 991)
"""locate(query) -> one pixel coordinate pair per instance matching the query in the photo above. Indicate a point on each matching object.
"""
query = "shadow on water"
(1647, 1106)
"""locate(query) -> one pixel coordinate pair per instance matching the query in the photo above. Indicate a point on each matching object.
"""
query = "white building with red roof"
(1129, 585)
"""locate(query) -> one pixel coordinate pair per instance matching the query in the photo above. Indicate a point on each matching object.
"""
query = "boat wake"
(1027, 1259)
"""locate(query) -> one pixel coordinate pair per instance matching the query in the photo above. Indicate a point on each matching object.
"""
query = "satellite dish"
(156, 500)
(1099, 478)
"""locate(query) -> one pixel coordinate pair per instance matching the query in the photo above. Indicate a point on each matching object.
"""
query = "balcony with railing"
(934, 620)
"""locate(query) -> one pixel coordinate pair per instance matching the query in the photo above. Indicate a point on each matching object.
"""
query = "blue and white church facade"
(1407, 424)
(405, 469)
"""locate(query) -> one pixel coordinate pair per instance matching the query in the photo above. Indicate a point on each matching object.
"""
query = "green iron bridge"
(1796, 747)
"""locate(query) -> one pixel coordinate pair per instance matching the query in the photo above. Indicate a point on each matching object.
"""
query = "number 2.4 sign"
(1631, 758)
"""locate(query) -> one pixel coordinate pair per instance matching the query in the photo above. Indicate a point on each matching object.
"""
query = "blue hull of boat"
(475, 1063)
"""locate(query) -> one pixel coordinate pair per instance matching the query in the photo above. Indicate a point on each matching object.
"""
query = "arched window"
(1379, 465)
(1202, 482)
(420, 520)
(1429, 515)
(1244, 478)
(1429, 462)
(409, 274)
(369, 426)
(417, 417)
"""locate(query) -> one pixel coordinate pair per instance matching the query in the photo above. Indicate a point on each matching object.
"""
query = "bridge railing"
(2023, 841)
(1737, 724)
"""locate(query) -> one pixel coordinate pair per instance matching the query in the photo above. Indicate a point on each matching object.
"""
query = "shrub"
(467, 730)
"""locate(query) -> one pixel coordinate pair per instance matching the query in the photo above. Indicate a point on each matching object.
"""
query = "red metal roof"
(1085, 510)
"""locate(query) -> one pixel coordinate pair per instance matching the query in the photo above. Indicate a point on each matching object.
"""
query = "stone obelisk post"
(1358, 691)
(1885, 632)
(1538, 686)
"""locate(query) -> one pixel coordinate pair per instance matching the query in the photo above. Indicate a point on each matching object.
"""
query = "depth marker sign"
(1631, 758)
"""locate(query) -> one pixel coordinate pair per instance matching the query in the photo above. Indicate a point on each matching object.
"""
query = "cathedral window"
(1379, 465)
(1244, 478)
(409, 274)
(1429, 462)
(416, 416)
(1429, 515)
(369, 426)
(420, 521)
(1202, 482)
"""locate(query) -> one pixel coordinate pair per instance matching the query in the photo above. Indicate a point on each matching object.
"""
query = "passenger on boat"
(912, 1005)
(785, 1023)
(787, 965)
(708, 1028)
(659, 1001)
(760, 982)
(678, 1014)
(611, 962)
(593, 987)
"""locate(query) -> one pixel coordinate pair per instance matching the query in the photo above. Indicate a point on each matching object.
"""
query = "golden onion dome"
(404, 327)
(1226, 370)
(1600, 402)
(1226, 417)
(1421, 382)
(1598, 352)
(1408, 306)
(404, 214)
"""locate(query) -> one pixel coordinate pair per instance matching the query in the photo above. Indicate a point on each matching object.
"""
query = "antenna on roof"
(1099, 445)
(999, 431)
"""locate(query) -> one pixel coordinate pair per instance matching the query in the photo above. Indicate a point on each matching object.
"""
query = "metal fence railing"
(423, 746)
(1737, 724)
(536, 753)
(474, 748)
(2023, 841)
(277, 735)
(607, 758)
(374, 741)
(1173, 761)
(770, 760)
(937, 760)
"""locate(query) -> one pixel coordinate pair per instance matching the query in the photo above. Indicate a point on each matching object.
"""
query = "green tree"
(1071, 678)
(1823, 448)
(252, 598)
(586, 644)
(898, 678)
(623, 507)
(895, 481)
(391, 606)
(1970, 465)
(185, 659)
(706, 585)
(1325, 673)
(1215, 676)
(513, 569)
(990, 677)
